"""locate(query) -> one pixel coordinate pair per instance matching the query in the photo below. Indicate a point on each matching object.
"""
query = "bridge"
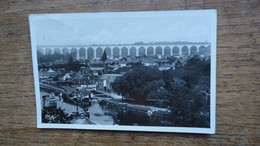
(123, 50)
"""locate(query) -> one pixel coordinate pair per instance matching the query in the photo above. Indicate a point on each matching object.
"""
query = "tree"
(70, 64)
(71, 60)
(139, 83)
(74, 65)
(190, 103)
(186, 90)
(104, 57)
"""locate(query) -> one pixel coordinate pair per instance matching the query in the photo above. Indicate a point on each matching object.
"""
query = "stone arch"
(150, 51)
(56, 51)
(99, 52)
(82, 53)
(203, 50)
(48, 51)
(40, 51)
(141, 51)
(65, 51)
(132, 51)
(175, 51)
(73, 53)
(158, 50)
(90, 53)
(167, 51)
(116, 52)
(184, 50)
(208, 50)
(108, 51)
(193, 50)
(124, 52)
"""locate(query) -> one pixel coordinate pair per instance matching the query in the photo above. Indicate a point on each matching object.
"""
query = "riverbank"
(153, 115)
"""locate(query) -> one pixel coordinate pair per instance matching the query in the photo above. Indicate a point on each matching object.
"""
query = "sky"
(122, 28)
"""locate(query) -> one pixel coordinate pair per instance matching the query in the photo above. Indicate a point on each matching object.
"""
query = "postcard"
(149, 71)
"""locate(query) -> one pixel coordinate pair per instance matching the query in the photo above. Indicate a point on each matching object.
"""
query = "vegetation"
(68, 65)
(51, 57)
(184, 90)
(53, 115)
(73, 65)
(104, 57)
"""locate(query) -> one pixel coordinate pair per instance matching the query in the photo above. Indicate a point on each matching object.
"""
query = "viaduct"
(96, 51)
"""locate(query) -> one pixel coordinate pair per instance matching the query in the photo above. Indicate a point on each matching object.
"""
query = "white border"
(212, 13)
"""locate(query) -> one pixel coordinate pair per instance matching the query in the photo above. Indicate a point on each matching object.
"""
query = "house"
(65, 77)
(95, 74)
(70, 92)
(149, 63)
(112, 66)
(96, 68)
(85, 94)
(122, 64)
(165, 67)
(78, 94)
(47, 74)
(96, 71)
(90, 87)
(83, 76)
(79, 78)
(50, 70)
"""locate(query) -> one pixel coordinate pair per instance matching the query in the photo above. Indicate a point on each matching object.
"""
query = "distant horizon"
(137, 43)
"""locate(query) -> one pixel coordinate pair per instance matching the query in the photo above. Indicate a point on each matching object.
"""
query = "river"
(118, 113)
(97, 113)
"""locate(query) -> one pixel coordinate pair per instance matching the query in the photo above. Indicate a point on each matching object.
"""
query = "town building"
(65, 77)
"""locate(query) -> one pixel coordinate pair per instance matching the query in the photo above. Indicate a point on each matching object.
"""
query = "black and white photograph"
(126, 71)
